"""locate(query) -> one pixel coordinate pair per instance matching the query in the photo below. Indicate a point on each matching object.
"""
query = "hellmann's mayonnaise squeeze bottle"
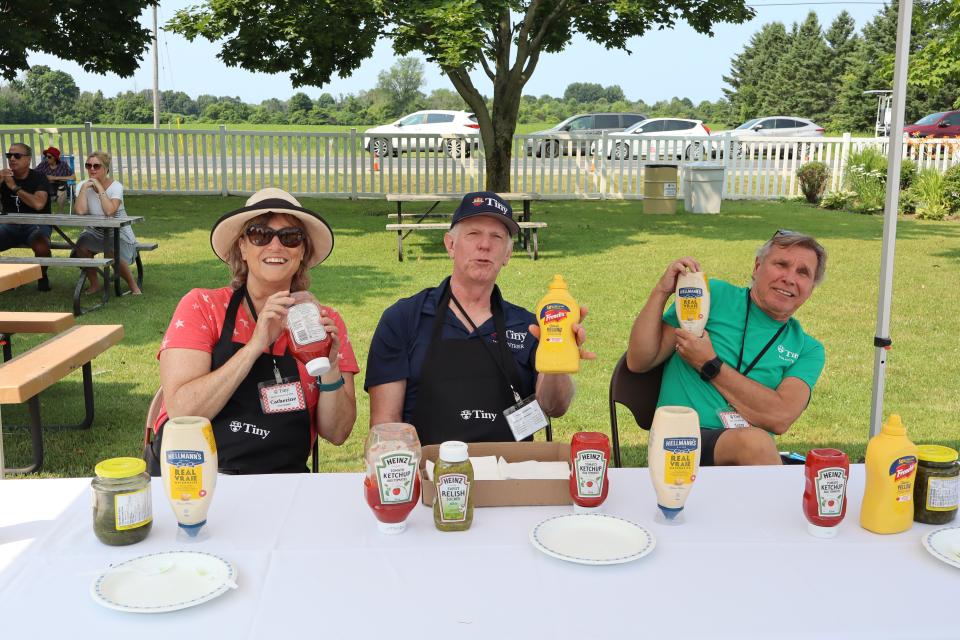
(891, 467)
(673, 454)
(188, 465)
(557, 312)
(693, 301)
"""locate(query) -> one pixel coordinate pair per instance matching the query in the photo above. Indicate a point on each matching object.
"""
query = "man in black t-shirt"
(24, 190)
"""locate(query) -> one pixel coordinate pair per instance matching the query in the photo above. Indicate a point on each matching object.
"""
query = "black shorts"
(708, 442)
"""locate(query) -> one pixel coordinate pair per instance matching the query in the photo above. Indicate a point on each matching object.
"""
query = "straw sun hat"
(231, 225)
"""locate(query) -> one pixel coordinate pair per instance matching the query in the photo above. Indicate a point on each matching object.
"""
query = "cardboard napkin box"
(507, 493)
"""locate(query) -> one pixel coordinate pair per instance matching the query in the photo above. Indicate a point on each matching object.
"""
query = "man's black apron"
(463, 388)
(249, 440)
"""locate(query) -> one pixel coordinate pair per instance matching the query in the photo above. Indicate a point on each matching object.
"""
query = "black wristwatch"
(710, 369)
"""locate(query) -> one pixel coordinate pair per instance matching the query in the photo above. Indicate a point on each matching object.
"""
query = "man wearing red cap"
(58, 174)
(457, 360)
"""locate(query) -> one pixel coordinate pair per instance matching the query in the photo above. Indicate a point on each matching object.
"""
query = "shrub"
(951, 188)
(813, 177)
(929, 194)
(865, 177)
(908, 173)
(907, 202)
(836, 200)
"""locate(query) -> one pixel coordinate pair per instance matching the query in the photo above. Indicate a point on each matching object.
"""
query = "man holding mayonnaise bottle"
(752, 372)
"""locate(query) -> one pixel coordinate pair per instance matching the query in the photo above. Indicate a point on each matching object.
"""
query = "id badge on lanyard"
(732, 419)
(281, 395)
(526, 417)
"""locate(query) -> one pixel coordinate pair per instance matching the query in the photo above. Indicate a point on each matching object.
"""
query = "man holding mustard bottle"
(457, 360)
(752, 373)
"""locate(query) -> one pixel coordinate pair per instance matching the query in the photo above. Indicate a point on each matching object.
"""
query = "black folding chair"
(637, 392)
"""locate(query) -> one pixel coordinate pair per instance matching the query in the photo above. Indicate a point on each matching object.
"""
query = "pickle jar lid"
(120, 467)
(936, 453)
(453, 451)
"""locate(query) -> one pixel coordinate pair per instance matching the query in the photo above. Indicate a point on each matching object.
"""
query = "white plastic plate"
(164, 581)
(944, 544)
(592, 538)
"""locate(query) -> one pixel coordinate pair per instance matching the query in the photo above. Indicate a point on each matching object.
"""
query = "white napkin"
(484, 468)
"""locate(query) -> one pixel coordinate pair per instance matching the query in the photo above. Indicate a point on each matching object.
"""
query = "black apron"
(249, 440)
(463, 391)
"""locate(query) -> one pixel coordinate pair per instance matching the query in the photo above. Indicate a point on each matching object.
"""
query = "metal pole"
(881, 340)
(156, 72)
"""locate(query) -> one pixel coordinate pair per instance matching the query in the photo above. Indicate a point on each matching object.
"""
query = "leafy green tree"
(131, 108)
(91, 107)
(13, 110)
(299, 102)
(938, 63)
(101, 37)
(178, 102)
(753, 84)
(504, 38)
(50, 95)
(583, 92)
(445, 99)
(399, 86)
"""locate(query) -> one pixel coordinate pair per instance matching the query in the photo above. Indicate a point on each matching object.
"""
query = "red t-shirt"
(199, 319)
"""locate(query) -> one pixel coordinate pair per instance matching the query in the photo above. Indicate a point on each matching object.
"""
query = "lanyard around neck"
(486, 344)
(746, 322)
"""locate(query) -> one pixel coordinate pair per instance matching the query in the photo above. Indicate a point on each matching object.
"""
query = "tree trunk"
(500, 150)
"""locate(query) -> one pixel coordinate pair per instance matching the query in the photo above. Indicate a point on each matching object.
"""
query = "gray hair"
(785, 238)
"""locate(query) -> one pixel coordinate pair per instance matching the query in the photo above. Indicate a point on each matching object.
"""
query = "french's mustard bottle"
(891, 466)
(557, 312)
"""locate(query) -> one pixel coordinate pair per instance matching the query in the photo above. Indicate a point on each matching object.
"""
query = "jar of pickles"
(935, 494)
(122, 506)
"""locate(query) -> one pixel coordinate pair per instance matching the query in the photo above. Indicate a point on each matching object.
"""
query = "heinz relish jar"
(825, 491)
(589, 459)
(392, 482)
(309, 341)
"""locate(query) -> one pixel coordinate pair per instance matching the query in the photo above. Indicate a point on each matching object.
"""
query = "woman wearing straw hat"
(225, 347)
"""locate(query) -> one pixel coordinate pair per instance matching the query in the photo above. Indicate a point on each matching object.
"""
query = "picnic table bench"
(528, 235)
(25, 376)
(102, 265)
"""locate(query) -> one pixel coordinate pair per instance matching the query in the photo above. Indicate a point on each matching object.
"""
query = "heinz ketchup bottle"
(309, 341)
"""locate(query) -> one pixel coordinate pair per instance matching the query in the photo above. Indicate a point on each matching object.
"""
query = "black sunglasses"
(16, 156)
(90, 165)
(786, 232)
(260, 235)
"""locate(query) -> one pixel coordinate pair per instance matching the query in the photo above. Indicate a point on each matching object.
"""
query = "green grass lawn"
(609, 252)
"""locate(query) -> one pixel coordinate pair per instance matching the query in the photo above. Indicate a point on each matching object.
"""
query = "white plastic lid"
(821, 532)
(391, 528)
(453, 451)
(318, 366)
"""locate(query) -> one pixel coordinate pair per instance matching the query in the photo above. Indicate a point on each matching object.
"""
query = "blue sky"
(664, 64)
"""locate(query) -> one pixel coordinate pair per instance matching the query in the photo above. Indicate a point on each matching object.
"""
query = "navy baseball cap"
(486, 203)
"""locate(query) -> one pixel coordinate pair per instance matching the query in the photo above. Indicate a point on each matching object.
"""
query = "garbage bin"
(660, 188)
(704, 187)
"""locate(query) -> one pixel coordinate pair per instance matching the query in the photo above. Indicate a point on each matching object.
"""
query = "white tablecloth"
(311, 564)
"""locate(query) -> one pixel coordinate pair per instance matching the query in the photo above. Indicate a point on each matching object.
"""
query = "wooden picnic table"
(111, 225)
(403, 229)
(14, 275)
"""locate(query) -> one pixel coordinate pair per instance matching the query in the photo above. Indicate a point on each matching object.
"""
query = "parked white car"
(432, 130)
(772, 127)
(636, 142)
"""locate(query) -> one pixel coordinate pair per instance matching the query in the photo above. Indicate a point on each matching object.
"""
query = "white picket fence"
(340, 164)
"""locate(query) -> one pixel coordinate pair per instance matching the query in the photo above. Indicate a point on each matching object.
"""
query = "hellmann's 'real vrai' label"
(680, 458)
(591, 466)
(831, 487)
(691, 299)
(552, 317)
(453, 489)
(903, 470)
(186, 474)
(396, 472)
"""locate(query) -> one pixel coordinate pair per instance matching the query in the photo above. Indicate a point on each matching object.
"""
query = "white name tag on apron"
(732, 420)
(525, 418)
(282, 397)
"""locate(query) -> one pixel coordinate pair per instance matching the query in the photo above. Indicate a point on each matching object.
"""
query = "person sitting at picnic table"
(452, 358)
(100, 195)
(224, 348)
(752, 373)
(24, 190)
(58, 174)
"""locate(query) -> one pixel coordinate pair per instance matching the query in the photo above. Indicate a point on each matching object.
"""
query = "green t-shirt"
(793, 354)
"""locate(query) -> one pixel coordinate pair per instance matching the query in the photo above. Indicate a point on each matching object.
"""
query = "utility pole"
(156, 72)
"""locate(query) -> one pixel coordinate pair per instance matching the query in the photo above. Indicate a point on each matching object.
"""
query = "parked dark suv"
(944, 124)
(583, 123)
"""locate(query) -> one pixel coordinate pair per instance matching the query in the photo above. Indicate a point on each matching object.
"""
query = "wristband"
(333, 386)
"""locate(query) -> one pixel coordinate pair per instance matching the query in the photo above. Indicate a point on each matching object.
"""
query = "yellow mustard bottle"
(891, 467)
(556, 314)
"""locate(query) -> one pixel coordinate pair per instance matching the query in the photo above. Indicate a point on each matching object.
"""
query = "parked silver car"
(772, 127)
(565, 138)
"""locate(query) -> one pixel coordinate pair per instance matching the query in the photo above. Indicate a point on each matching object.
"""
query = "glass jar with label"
(122, 505)
(453, 480)
(935, 492)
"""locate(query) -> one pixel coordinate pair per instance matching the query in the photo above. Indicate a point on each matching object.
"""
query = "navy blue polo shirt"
(400, 342)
